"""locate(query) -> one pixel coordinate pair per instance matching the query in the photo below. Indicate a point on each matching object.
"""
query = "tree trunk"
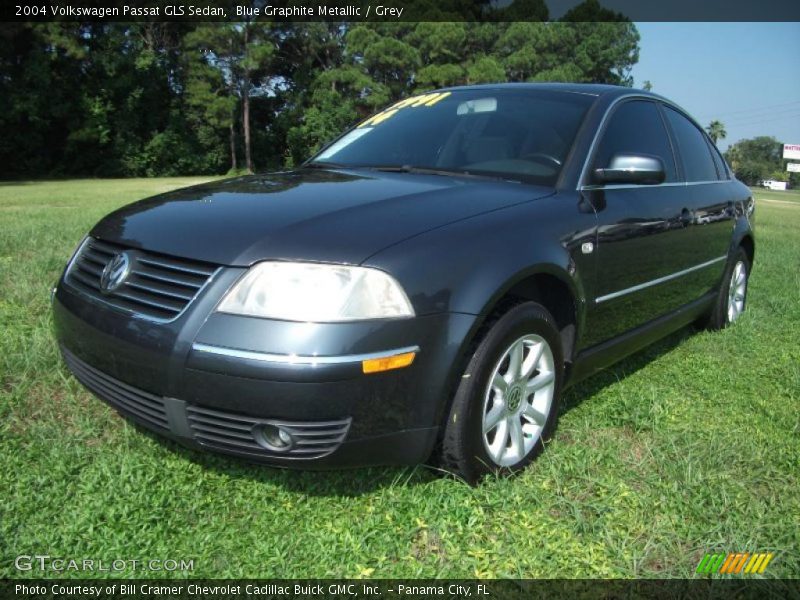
(234, 160)
(248, 158)
(246, 124)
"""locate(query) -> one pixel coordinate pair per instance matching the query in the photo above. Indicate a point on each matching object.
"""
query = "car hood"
(341, 216)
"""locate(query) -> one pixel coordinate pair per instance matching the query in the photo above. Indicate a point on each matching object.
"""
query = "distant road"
(780, 197)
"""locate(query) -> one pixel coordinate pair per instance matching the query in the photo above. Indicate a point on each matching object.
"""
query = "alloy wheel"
(737, 291)
(518, 400)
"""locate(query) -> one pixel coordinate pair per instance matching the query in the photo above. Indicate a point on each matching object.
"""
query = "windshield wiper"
(411, 169)
(433, 171)
(318, 164)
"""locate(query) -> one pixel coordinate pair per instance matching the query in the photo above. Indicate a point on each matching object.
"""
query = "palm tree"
(716, 131)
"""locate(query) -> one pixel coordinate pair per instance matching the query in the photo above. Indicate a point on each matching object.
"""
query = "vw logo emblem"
(514, 398)
(115, 272)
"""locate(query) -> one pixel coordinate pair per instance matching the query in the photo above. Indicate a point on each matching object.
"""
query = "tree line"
(150, 98)
(759, 158)
(755, 159)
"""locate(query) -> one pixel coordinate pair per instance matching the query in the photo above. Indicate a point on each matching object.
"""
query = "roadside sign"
(793, 167)
(791, 151)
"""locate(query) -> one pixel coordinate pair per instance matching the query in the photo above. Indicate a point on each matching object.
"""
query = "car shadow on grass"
(594, 384)
(356, 482)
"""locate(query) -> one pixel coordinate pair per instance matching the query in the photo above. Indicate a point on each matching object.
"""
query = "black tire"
(720, 317)
(464, 446)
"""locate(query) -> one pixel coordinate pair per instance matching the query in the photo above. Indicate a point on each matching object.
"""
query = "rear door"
(708, 196)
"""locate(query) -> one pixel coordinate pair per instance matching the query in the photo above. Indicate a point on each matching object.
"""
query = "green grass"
(691, 446)
(760, 193)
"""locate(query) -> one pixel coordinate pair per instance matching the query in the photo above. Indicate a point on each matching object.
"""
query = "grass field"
(787, 196)
(691, 446)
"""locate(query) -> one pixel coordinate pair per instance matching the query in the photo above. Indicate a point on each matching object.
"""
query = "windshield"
(514, 134)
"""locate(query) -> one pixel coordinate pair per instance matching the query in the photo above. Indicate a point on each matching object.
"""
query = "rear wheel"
(732, 297)
(506, 405)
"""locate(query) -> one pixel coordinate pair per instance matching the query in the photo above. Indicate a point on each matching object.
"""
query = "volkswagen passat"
(425, 287)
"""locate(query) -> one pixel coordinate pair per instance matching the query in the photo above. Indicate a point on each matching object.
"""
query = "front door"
(644, 236)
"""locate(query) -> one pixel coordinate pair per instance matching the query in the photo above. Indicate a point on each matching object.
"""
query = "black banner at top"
(377, 11)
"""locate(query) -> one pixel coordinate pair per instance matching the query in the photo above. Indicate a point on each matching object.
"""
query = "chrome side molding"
(295, 359)
(653, 282)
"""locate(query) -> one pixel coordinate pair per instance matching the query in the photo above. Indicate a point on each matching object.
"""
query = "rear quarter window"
(719, 162)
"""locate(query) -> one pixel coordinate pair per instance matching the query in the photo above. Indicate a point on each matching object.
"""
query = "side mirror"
(632, 168)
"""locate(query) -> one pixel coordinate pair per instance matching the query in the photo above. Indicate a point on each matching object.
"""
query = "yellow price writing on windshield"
(412, 102)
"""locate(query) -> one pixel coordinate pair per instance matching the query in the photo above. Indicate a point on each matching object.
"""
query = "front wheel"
(506, 405)
(732, 297)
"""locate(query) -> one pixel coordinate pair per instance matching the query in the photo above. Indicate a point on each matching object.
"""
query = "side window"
(692, 147)
(636, 128)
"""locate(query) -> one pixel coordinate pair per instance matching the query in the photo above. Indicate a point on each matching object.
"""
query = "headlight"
(316, 293)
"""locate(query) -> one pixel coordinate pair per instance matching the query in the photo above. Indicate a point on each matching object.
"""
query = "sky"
(746, 75)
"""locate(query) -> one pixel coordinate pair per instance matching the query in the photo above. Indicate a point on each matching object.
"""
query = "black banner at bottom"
(395, 589)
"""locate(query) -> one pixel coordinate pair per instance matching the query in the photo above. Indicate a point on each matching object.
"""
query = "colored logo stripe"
(758, 563)
(734, 563)
(710, 563)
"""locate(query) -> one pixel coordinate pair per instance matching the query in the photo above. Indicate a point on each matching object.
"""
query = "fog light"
(275, 438)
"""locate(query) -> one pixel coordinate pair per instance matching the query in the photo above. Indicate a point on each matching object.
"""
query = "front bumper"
(210, 381)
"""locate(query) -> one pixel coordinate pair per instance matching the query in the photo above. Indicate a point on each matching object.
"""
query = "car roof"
(590, 89)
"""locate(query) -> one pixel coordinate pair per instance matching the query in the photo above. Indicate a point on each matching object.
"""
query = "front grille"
(231, 432)
(126, 398)
(157, 286)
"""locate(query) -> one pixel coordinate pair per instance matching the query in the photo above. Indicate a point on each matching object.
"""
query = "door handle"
(686, 217)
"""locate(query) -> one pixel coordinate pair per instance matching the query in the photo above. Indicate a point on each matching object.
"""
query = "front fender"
(468, 266)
